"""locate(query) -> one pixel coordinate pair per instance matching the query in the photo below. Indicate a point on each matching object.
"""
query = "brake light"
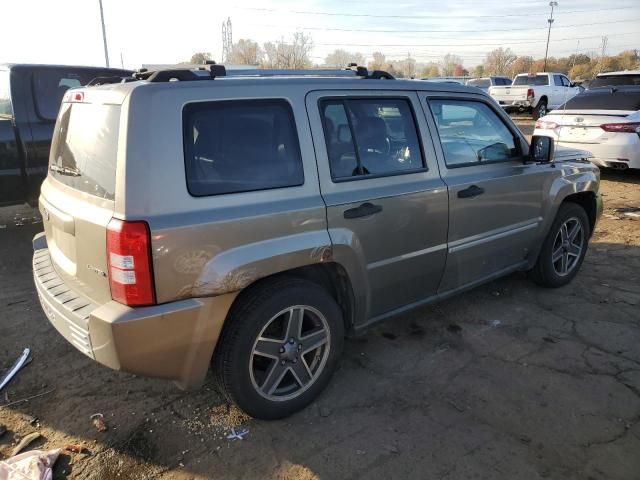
(631, 127)
(129, 260)
(73, 97)
(542, 125)
(531, 93)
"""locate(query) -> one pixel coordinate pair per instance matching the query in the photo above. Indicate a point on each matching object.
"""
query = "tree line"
(296, 53)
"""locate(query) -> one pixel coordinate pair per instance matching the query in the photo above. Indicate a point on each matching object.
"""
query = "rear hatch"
(77, 198)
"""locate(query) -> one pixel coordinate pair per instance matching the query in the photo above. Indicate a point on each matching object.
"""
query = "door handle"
(365, 210)
(472, 191)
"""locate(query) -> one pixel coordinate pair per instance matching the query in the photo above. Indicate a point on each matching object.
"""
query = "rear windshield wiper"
(72, 172)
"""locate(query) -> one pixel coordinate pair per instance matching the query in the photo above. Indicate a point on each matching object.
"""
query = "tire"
(540, 110)
(269, 311)
(553, 271)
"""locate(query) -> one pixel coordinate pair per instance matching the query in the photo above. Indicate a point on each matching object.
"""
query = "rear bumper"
(514, 104)
(174, 341)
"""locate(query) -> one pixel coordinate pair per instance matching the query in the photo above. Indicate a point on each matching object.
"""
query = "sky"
(165, 32)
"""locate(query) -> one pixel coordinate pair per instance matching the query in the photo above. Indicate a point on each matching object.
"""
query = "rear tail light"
(129, 259)
(541, 124)
(73, 97)
(531, 93)
(631, 127)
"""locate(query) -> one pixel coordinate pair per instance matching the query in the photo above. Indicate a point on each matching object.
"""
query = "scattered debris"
(228, 416)
(629, 213)
(495, 293)
(98, 422)
(20, 362)
(27, 398)
(325, 411)
(360, 452)
(239, 435)
(549, 339)
(495, 323)
(525, 439)
(74, 447)
(25, 442)
(454, 328)
(34, 465)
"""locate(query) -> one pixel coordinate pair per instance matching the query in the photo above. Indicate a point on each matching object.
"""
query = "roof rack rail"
(211, 71)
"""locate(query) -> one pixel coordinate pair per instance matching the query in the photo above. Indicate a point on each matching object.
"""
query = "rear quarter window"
(240, 146)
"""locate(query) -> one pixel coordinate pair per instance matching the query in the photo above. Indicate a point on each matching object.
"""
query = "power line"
(474, 43)
(441, 31)
(452, 16)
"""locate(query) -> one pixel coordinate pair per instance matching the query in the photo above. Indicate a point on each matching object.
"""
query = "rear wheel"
(540, 110)
(279, 348)
(564, 248)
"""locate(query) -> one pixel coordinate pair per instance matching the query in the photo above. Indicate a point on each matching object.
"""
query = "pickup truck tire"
(564, 247)
(279, 347)
(539, 110)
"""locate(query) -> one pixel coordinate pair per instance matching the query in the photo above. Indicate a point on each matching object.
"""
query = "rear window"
(83, 152)
(614, 80)
(534, 80)
(605, 100)
(5, 97)
(480, 82)
(240, 146)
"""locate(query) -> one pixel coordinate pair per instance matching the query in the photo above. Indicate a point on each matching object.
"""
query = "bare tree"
(200, 57)
(449, 64)
(431, 69)
(499, 61)
(522, 64)
(407, 66)
(340, 58)
(246, 52)
(379, 61)
(288, 55)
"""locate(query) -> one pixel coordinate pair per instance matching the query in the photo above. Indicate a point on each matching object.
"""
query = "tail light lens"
(129, 259)
(631, 127)
(541, 124)
(531, 93)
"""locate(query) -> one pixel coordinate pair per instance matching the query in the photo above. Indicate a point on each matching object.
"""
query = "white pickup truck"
(535, 92)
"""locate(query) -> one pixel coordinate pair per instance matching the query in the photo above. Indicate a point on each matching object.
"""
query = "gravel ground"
(507, 381)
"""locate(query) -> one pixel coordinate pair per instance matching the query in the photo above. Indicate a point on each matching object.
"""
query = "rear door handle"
(472, 191)
(365, 210)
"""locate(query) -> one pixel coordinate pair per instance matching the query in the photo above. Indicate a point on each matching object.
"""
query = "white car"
(535, 92)
(604, 121)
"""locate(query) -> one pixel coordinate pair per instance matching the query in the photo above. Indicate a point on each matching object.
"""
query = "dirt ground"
(508, 381)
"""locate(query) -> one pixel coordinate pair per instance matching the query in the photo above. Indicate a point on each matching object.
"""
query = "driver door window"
(370, 137)
(471, 133)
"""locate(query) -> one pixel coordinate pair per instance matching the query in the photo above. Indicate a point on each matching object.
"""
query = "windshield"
(614, 80)
(83, 152)
(480, 82)
(531, 80)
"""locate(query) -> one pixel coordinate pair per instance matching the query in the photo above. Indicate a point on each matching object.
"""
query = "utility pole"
(104, 35)
(550, 20)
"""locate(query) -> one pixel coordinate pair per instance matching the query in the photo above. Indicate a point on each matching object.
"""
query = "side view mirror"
(541, 149)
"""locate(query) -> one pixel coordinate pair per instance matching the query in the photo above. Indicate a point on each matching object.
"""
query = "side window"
(5, 93)
(370, 137)
(557, 80)
(472, 133)
(240, 146)
(565, 81)
(50, 86)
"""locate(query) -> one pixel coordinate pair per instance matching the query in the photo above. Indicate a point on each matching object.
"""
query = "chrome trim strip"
(492, 235)
(406, 256)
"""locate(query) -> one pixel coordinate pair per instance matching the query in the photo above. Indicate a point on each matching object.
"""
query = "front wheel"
(279, 348)
(540, 110)
(564, 248)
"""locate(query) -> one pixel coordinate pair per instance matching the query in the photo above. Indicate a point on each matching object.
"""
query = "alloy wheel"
(567, 247)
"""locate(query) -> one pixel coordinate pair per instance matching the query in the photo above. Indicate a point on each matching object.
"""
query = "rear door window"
(240, 146)
(367, 137)
(471, 133)
(557, 80)
(85, 143)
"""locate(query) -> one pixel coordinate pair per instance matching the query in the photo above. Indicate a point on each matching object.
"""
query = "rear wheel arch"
(331, 276)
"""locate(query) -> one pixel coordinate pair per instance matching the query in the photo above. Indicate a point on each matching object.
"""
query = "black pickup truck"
(30, 96)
